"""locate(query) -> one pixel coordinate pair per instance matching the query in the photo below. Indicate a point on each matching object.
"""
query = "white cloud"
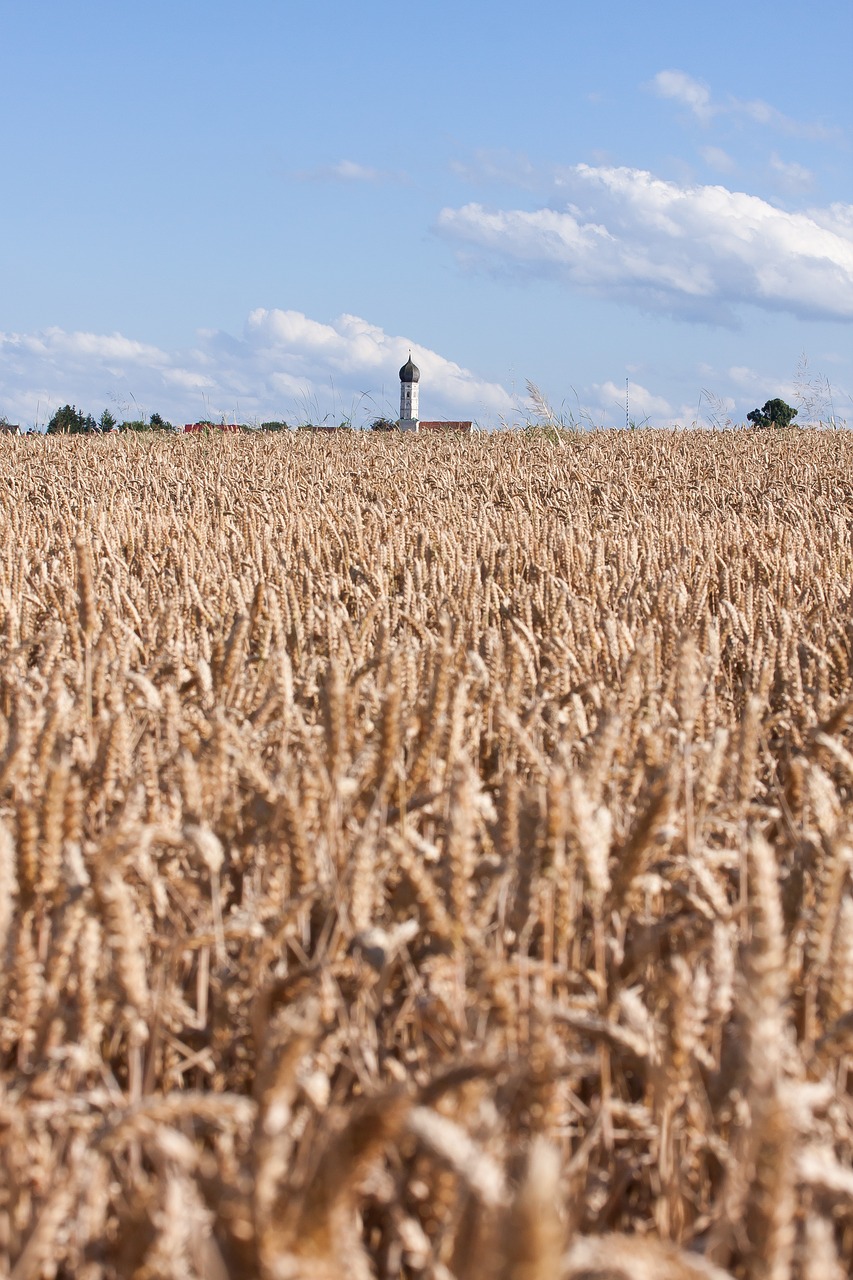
(746, 378)
(790, 175)
(189, 379)
(350, 171)
(644, 406)
(837, 218)
(642, 403)
(717, 158)
(598, 405)
(79, 348)
(498, 167)
(284, 365)
(695, 251)
(679, 86)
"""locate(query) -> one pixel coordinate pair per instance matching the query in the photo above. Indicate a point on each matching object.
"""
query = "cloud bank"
(285, 365)
(693, 251)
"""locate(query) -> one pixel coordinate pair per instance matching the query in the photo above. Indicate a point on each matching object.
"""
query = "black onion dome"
(410, 372)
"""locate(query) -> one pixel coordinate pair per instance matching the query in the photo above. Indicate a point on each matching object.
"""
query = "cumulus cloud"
(643, 406)
(688, 250)
(679, 86)
(79, 348)
(284, 365)
(641, 402)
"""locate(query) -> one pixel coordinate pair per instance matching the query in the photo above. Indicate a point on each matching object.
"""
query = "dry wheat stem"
(426, 858)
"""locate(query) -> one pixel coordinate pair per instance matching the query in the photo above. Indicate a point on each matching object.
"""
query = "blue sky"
(255, 210)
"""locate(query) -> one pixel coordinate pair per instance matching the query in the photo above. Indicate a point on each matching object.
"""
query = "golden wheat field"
(427, 858)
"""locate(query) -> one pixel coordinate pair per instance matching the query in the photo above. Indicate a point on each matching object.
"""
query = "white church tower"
(410, 376)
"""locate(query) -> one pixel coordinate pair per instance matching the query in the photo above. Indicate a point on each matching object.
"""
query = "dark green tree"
(69, 420)
(106, 422)
(774, 414)
(154, 423)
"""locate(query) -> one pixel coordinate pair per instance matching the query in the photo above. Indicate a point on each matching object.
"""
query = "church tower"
(410, 376)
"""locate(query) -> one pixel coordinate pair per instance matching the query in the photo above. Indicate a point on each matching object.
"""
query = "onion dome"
(410, 372)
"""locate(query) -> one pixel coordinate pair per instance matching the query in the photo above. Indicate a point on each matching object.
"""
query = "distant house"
(10, 428)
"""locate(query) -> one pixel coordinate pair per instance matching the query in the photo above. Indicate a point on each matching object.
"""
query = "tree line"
(69, 420)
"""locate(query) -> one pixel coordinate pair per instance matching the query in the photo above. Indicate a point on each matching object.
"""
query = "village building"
(410, 377)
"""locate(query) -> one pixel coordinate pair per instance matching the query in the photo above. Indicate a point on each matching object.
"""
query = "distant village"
(69, 420)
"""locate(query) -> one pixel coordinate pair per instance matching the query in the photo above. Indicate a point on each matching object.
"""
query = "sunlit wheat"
(426, 858)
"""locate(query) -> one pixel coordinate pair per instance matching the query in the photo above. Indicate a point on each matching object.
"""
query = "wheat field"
(427, 858)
